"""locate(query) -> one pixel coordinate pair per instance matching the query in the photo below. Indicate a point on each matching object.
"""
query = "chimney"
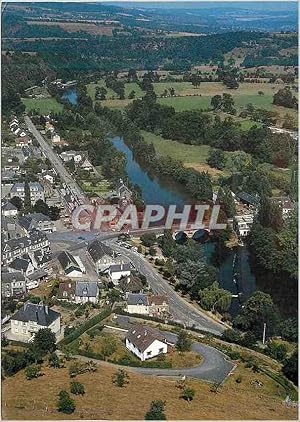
(37, 316)
(46, 309)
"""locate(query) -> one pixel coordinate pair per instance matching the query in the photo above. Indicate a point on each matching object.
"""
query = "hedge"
(127, 362)
(85, 326)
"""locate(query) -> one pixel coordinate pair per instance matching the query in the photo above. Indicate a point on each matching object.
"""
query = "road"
(56, 162)
(181, 310)
(214, 366)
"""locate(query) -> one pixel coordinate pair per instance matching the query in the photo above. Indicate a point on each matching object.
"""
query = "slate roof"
(29, 220)
(7, 277)
(97, 250)
(142, 337)
(132, 284)
(20, 264)
(119, 267)
(37, 275)
(86, 289)
(8, 206)
(137, 299)
(247, 197)
(35, 237)
(68, 262)
(36, 312)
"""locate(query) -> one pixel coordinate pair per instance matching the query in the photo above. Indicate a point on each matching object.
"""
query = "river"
(234, 273)
(70, 95)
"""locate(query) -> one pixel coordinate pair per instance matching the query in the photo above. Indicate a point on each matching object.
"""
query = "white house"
(29, 319)
(71, 265)
(242, 224)
(9, 210)
(137, 303)
(145, 342)
(116, 272)
(102, 255)
(78, 292)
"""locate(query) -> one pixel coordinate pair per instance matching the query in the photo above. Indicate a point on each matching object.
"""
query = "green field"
(133, 86)
(91, 90)
(183, 152)
(43, 105)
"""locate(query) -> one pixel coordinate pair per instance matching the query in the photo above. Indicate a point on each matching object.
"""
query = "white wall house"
(116, 272)
(29, 319)
(242, 224)
(145, 342)
(137, 303)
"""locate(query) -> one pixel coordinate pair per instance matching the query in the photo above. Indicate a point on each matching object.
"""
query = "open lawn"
(36, 399)
(43, 105)
(91, 90)
(194, 156)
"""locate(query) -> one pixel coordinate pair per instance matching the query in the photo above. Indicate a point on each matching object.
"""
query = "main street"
(56, 162)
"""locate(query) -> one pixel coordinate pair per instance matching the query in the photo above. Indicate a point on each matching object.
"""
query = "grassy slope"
(103, 400)
(44, 105)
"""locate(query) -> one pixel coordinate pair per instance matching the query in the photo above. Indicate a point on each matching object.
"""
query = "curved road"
(214, 366)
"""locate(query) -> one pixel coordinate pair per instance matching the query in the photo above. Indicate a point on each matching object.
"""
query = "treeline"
(125, 52)
(197, 128)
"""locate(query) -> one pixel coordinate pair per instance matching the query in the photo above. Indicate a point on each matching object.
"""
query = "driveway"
(214, 366)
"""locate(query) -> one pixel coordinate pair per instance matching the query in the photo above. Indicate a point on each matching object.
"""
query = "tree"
(276, 351)
(77, 388)
(148, 239)
(120, 378)
(33, 371)
(216, 159)
(216, 102)
(27, 198)
(167, 243)
(131, 95)
(16, 201)
(65, 404)
(231, 335)
(44, 341)
(227, 103)
(285, 98)
(184, 343)
(213, 298)
(288, 330)
(196, 80)
(258, 310)
(225, 199)
(261, 93)
(188, 394)
(54, 361)
(156, 411)
(290, 368)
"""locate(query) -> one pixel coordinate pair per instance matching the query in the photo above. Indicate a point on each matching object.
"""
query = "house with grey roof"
(117, 271)
(86, 291)
(9, 210)
(145, 342)
(130, 284)
(71, 266)
(102, 256)
(78, 291)
(137, 303)
(29, 319)
(13, 284)
(14, 248)
(35, 188)
(37, 221)
(23, 265)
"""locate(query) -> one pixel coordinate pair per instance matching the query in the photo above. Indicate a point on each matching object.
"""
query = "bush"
(188, 394)
(232, 336)
(276, 351)
(33, 371)
(238, 379)
(65, 403)
(77, 388)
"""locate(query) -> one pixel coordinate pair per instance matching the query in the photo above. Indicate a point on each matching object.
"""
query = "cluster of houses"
(247, 206)
(23, 139)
